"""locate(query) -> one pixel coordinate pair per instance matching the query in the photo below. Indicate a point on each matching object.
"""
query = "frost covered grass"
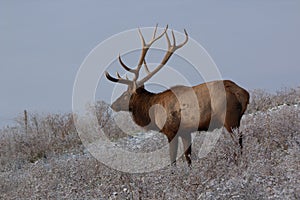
(50, 162)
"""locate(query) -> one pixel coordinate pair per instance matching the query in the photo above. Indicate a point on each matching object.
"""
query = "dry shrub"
(45, 135)
(105, 120)
(260, 100)
(268, 168)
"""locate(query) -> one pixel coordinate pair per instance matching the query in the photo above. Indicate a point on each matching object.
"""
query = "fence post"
(26, 121)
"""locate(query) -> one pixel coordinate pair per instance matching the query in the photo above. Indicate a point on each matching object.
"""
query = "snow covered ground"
(268, 168)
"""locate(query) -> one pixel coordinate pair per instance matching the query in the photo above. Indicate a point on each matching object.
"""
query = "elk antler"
(145, 47)
(119, 79)
(171, 50)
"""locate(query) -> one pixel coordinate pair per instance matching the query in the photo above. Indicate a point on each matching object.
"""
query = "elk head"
(135, 86)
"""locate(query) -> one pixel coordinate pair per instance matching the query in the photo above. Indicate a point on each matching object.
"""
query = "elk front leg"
(187, 145)
(173, 146)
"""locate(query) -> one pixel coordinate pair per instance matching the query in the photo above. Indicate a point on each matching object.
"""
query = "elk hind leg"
(186, 140)
(240, 139)
(173, 147)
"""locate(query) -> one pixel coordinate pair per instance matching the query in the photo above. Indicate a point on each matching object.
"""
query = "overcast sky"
(42, 43)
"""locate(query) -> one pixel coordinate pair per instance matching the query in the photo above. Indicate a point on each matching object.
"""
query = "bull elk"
(178, 111)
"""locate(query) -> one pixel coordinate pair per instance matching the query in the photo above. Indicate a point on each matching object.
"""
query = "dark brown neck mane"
(140, 104)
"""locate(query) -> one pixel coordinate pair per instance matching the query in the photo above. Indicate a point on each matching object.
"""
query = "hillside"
(47, 160)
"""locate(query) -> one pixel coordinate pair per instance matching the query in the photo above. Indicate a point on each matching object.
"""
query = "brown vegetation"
(268, 169)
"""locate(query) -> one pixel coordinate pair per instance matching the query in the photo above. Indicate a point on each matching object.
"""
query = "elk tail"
(243, 97)
(241, 94)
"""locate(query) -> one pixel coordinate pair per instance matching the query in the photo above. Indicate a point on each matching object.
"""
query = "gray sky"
(43, 43)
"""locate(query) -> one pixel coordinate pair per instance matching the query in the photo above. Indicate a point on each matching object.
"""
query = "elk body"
(181, 110)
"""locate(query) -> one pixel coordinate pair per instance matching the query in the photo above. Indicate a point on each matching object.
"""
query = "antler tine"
(144, 44)
(157, 38)
(185, 41)
(154, 33)
(146, 67)
(145, 48)
(123, 65)
(118, 75)
(118, 80)
(168, 41)
(169, 53)
(174, 47)
(142, 37)
(173, 36)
